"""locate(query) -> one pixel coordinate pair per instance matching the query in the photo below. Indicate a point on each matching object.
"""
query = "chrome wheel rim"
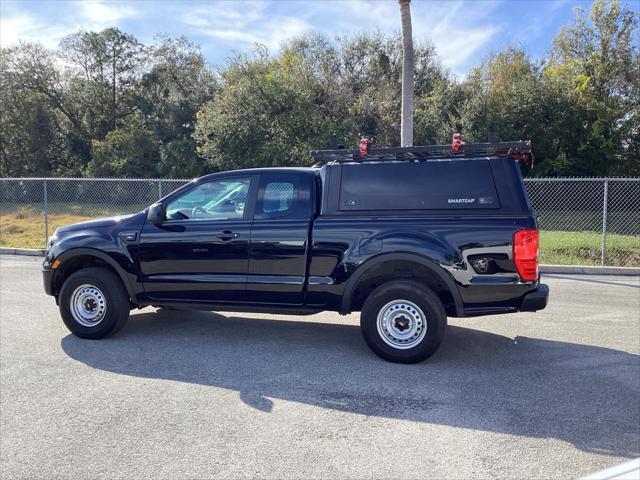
(88, 305)
(401, 324)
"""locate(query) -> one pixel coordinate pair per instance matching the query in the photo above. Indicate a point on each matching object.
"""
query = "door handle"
(227, 235)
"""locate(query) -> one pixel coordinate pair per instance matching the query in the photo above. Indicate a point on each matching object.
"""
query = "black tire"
(397, 296)
(111, 295)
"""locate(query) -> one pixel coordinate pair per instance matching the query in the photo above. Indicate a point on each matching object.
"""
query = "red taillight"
(525, 253)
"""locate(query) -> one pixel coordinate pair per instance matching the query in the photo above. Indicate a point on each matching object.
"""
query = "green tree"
(268, 112)
(596, 59)
(178, 159)
(171, 93)
(176, 86)
(104, 104)
(360, 77)
(107, 67)
(29, 137)
(132, 151)
(504, 99)
(31, 67)
(35, 123)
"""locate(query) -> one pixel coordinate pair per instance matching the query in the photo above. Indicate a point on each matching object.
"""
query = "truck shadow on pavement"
(585, 395)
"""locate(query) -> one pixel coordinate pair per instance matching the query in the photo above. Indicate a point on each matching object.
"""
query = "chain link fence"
(583, 221)
(588, 221)
(32, 208)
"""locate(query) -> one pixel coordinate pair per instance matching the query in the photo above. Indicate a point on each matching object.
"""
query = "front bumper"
(535, 300)
(47, 280)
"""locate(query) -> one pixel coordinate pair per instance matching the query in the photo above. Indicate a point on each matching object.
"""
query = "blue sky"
(463, 31)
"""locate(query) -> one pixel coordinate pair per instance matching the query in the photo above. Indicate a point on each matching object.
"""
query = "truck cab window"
(284, 196)
(278, 198)
(222, 199)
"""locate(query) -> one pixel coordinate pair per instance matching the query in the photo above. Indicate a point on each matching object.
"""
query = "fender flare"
(433, 267)
(92, 252)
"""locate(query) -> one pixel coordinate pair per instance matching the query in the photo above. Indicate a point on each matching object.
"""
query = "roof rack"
(516, 150)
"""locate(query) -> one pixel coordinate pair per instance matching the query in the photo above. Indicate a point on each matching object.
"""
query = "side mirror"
(156, 214)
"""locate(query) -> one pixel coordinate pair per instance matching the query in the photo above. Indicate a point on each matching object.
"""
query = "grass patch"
(618, 222)
(23, 227)
(584, 248)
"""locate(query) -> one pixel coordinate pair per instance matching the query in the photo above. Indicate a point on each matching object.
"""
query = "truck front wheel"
(94, 303)
(403, 321)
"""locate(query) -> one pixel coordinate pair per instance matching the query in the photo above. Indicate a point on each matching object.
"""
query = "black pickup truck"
(406, 236)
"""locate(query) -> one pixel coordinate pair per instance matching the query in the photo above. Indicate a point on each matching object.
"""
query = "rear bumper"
(535, 300)
(47, 280)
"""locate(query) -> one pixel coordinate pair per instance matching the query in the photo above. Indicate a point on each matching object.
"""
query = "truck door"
(280, 238)
(201, 252)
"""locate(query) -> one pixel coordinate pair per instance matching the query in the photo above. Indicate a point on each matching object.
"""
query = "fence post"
(603, 255)
(46, 215)
(159, 189)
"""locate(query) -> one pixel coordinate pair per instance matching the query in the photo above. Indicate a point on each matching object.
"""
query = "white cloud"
(558, 4)
(456, 51)
(98, 15)
(14, 28)
(92, 15)
(28, 28)
(225, 14)
(246, 23)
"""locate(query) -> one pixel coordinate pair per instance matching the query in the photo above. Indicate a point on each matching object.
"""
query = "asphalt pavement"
(175, 394)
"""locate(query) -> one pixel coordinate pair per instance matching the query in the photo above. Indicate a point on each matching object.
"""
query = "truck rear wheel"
(93, 303)
(403, 321)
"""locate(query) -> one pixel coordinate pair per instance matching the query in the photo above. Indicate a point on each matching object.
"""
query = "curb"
(548, 269)
(33, 252)
(590, 270)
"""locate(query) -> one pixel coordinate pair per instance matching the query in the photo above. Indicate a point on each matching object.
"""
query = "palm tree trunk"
(406, 114)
